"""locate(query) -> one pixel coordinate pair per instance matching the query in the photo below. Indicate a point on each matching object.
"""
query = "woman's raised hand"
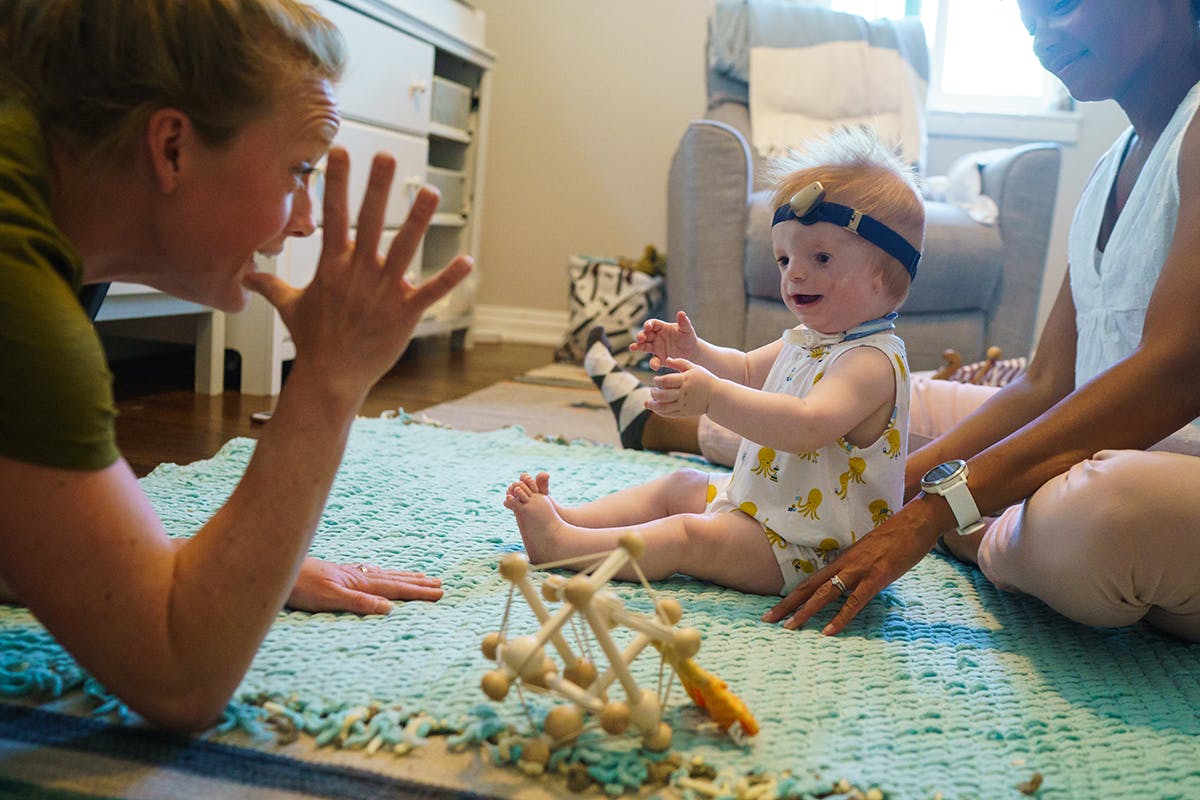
(359, 313)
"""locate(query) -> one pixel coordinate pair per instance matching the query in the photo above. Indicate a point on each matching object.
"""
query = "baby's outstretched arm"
(679, 339)
(662, 339)
(685, 393)
(853, 399)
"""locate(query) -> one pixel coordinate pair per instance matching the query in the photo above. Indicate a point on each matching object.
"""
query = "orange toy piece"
(712, 694)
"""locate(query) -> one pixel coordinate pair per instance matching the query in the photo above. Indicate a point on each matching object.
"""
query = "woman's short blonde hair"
(859, 170)
(93, 71)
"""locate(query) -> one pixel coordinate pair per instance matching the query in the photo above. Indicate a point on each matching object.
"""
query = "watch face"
(943, 472)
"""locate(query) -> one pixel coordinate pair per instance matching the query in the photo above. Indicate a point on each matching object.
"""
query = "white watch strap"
(966, 512)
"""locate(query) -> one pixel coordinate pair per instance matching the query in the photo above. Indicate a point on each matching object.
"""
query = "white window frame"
(1051, 116)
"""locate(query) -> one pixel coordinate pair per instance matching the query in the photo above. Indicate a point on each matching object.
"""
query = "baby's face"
(828, 277)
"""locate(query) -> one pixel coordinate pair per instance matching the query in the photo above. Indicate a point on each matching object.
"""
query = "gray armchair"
(977, 286)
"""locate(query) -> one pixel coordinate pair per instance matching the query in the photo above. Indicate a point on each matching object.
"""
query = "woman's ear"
(169, 140)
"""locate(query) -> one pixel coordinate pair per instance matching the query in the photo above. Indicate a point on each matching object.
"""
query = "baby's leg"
(684, 491)
(728, 548)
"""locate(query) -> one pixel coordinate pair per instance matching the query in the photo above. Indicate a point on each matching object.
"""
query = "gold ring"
(837, 584)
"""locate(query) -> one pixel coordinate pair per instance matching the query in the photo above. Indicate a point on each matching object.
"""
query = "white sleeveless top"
(839, 492)
(1112, 289)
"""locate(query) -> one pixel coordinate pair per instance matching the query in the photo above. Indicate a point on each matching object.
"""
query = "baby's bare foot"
(537, 520)
(538, 485)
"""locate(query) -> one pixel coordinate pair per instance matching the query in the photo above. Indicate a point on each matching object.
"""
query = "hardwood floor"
(160, 419)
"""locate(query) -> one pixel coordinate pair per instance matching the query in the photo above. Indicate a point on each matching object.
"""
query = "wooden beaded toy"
(523, 661)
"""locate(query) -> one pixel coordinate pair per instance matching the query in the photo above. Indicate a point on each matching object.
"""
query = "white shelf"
(448, 221)
(449, 133)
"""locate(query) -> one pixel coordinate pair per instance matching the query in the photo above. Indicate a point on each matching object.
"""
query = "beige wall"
(589, 100)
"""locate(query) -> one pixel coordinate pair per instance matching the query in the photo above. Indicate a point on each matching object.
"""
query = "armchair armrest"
(707, 193)
(1024, 182)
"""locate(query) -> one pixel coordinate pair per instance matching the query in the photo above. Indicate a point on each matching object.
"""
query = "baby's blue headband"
(808, 206)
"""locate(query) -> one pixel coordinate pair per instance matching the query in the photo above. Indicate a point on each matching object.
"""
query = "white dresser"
(416, 86)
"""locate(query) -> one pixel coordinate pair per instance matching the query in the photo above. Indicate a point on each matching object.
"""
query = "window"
(980, 55)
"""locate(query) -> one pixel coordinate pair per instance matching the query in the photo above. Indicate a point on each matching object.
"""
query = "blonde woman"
(166, 143)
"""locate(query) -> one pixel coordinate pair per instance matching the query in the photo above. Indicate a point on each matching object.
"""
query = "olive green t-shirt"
(56, 399)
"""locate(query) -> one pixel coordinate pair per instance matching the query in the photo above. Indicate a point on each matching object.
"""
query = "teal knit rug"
(942, 685)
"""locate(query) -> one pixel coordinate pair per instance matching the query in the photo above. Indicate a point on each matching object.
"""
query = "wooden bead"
(563, 723)
(686, 642)
(491, 641)
(660, 739)
(633, 544)
(579, 591)
(669, 609)
(614, 718)
(552, 588)
(513, 567)
(495, 684)
(582, 673)
(535, 751)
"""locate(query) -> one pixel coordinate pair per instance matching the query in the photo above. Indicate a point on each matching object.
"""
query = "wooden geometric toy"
(524, 661)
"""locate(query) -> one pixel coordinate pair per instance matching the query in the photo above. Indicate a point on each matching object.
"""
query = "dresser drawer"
(389, 74)
(452, 184)
(362, 142)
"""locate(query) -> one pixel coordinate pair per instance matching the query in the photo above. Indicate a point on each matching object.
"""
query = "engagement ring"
(837, 584)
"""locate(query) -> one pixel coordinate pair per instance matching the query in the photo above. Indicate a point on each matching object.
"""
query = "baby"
(823, 411)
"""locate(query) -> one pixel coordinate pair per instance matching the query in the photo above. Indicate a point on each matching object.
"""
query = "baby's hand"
(685, 393)
(666, 339)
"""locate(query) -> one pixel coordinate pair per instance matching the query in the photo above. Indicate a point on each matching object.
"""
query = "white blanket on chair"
(811, 70)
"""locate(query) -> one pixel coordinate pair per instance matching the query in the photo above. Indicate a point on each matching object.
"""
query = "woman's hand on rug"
(359, 588)
(865, 569)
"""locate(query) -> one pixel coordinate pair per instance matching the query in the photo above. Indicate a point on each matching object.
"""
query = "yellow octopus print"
(880, 512)
(892, 438)
(766, 466)
(900, 366)
(774, 538)
(711, 494)
(828, 549)
(810, 507)
(857, 467)
(804, 565)
(811, 456)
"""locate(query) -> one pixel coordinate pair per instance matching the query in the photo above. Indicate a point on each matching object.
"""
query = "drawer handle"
(418, 87)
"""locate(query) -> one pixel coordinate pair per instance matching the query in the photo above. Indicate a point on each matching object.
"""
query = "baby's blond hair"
(857, 169)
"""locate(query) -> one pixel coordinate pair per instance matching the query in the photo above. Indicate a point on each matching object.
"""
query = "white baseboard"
(522, 325)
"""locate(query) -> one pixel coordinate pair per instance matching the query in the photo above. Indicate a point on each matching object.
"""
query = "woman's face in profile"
(1096, 47)
(248, 196)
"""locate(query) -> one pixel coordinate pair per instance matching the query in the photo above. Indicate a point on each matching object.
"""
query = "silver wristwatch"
(950, 481)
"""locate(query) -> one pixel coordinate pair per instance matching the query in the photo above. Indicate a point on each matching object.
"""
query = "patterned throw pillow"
(610, 294)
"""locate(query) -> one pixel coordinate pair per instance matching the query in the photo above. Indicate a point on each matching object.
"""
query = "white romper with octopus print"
(811, 505)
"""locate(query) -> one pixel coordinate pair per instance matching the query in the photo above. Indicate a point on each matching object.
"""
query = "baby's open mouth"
(805, 299)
